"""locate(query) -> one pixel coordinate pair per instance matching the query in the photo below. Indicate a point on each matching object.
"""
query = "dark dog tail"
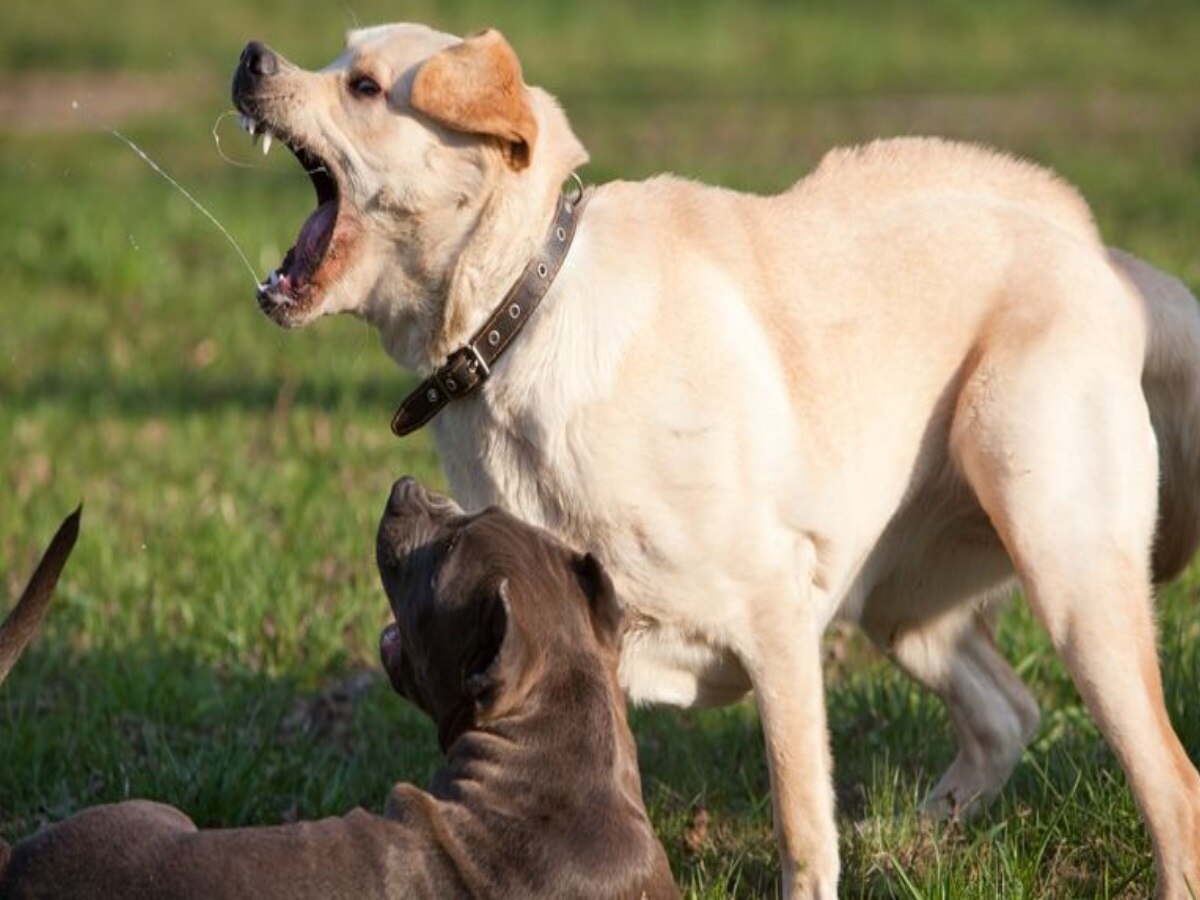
(1171, 382)
(22, 623)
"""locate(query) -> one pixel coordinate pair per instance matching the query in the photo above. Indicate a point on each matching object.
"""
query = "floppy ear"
(476, 87)
(494, 650)
(603, 608)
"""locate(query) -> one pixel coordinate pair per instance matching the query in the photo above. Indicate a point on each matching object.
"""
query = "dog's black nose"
(258, 60)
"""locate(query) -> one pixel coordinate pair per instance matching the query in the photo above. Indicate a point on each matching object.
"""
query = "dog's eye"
(364, 86)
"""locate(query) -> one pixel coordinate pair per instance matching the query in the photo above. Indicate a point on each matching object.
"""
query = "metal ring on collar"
(574, 189)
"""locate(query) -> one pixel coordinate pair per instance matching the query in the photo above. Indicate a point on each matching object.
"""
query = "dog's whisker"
(196, 203)
(255, 133)
(220, 150)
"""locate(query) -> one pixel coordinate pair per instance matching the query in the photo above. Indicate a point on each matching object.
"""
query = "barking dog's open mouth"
(291, 289)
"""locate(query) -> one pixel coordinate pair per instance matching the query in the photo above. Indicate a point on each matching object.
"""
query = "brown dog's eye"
(364, 86)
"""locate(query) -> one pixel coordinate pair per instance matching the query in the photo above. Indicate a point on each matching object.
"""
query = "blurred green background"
(213, 643)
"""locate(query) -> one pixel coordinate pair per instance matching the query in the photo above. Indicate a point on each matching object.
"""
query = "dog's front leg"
(785, 668)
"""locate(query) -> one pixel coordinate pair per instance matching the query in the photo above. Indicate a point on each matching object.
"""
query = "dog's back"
(1171, 378)
(895, 168)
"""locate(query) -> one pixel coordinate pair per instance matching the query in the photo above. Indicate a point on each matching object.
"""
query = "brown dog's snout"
(409, 496)
(405, 491)
(411, 522)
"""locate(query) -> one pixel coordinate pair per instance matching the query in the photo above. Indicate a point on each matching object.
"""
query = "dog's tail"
(1171, 381)
(22, 623)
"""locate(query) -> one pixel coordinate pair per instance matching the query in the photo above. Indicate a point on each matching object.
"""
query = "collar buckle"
(462, 373)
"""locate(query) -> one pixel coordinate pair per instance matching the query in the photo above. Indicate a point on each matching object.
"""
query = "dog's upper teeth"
(266, 143)
(247, 124)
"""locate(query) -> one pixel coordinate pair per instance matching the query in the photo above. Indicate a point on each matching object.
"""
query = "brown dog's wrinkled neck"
(572, 713)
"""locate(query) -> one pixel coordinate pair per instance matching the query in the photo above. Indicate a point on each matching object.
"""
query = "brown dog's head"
(483, 603)
(408, 137)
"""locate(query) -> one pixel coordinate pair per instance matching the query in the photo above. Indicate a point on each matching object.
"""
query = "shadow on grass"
(231, 747)
(1065, 825)
(227, 747)
(704, 776)
(707, 786)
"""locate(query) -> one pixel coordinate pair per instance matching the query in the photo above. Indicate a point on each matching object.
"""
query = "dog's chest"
(677, 598)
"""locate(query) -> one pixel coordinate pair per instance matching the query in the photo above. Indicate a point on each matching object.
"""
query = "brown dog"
(509, 642)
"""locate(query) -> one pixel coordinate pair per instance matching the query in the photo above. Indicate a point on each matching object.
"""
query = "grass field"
(213, 643)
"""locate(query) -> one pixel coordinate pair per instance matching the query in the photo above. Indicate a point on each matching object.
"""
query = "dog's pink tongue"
(389, 644)
(314, 240)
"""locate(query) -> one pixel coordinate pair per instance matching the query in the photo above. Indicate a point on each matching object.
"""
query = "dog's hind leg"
(993, 714)
(1171, 383)
(1053, 435)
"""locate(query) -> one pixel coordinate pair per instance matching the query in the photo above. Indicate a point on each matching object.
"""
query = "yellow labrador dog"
(880, 396)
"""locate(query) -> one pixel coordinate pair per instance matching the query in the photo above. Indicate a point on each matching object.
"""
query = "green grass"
(213, 642)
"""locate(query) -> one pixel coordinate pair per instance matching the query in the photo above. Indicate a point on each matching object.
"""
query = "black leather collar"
(470, 365)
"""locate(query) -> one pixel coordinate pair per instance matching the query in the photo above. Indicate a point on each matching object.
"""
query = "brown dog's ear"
(476, 87)
(494, 651)
(20, 625)
(603, 607)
